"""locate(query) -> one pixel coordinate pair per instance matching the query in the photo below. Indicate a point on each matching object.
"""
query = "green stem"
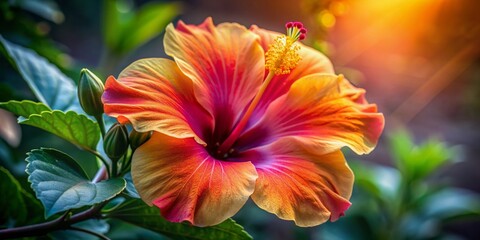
(104, 161)
(60, 223)
(114, 168)
(101, 124)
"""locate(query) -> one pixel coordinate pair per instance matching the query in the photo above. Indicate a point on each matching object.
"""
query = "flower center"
(282, 56)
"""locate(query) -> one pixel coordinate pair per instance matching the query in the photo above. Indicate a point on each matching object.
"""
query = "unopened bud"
(138, 138)
(90, 90)
(115, 142)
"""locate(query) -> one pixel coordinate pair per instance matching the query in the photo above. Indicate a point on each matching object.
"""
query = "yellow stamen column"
(282, 56)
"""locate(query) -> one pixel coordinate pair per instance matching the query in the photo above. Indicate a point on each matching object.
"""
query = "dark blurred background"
(419, 60)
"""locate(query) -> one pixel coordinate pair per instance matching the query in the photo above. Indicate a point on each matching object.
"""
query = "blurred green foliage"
(35, 67)
(408, 200)
(126, 29)
(28, 22)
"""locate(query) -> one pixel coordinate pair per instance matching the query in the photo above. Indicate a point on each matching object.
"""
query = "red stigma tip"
(303, 30)
(288, 25)
(298, 25)
(302, 36)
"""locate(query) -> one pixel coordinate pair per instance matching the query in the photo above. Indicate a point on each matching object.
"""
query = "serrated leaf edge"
(48, 213)
(53, 112)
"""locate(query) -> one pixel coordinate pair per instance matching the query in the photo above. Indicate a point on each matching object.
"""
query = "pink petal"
(300, 184)
(187, 184)
(153, 94)
(225, 63)
(325, 112)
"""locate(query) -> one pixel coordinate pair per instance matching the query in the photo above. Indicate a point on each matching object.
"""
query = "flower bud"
(115, 142)
(138, 138)
(90, 90)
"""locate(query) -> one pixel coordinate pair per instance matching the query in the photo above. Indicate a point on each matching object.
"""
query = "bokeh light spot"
(327, 19)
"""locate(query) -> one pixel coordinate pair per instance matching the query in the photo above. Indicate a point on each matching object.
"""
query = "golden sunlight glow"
(326, 18)
(415, 46)
(339, 8)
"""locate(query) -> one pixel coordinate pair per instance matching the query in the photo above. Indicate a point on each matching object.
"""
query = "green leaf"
(11, 191)
(451, 203)
(113, 204)
(136, 212)
(437, 209)
(123, 230)
(22, 208)
(49, 85)
(73, 127)
(61, 184)
(24, 108)
(379, 181)
(115, 15)
(130, 190)
(94, 225)
(434, 154)
(47, 9)
(34, 208)
(401, 145)
(150, 20)
(417, 161)
(126, 30)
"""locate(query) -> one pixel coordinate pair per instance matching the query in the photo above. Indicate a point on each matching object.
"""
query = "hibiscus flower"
(242, 113)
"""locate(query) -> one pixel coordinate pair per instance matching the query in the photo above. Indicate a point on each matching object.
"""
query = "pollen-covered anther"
(282, 55)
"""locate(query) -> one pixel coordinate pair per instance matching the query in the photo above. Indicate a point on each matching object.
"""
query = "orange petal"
(180, 177)
(298, 184)
(226, 64)
(312, 62)
(324, 112)
(153, 94)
